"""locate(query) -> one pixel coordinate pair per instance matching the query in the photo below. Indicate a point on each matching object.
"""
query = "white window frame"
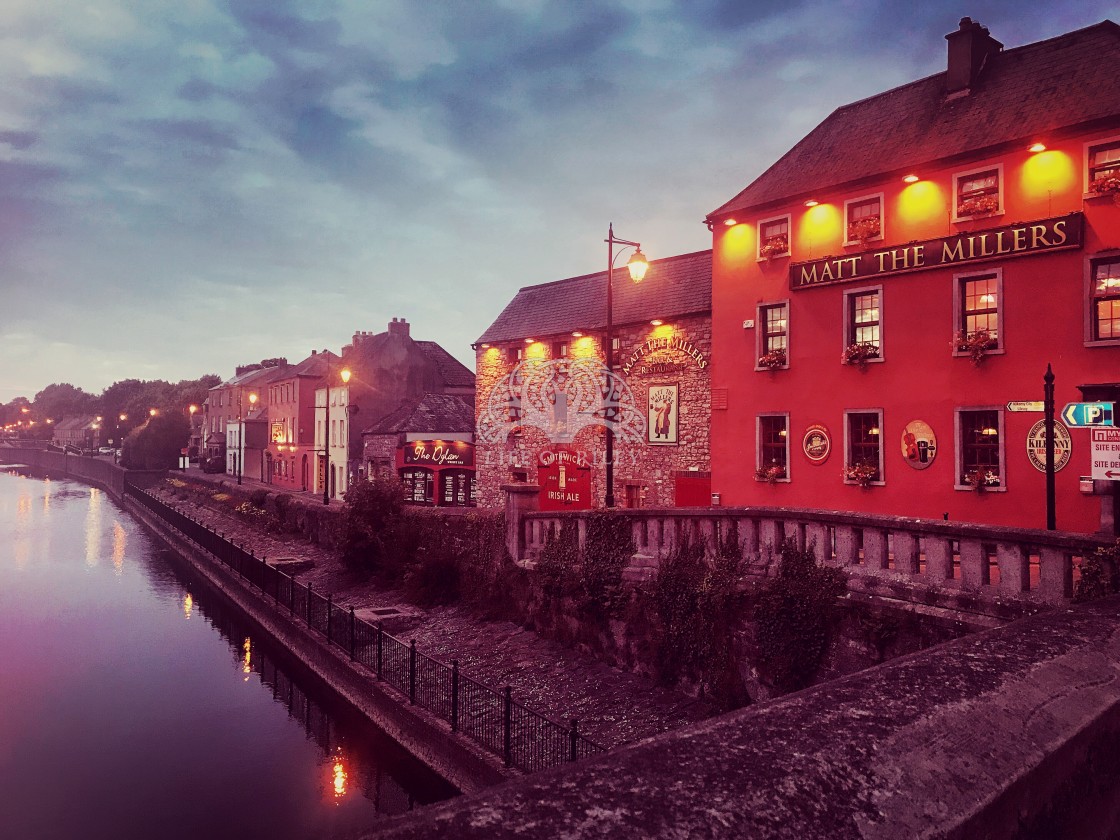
(958, 448)
(788, 219)
(958, 309)
(860, 200)
(760, 332)
(1111, 255)
(1089, 146)
(848, 330)
(957, 176)
(882, 479)
(758, 441)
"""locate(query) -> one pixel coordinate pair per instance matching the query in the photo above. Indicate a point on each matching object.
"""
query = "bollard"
(351, 634)
(412, 672)
(454, 695)
(508, 721)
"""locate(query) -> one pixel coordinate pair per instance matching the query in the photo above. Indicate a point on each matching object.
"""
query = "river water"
(136, 704)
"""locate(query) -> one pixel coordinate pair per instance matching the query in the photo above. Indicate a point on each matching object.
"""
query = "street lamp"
(637, 265)
(344, 375)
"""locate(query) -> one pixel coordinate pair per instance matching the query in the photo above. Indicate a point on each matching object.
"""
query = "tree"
(63, 400)
(156, 444)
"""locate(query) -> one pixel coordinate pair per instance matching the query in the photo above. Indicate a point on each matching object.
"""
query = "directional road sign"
(1106, 454)
(1026, 405)
(1088, 414)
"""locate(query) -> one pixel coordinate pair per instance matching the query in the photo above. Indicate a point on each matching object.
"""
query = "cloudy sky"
(188, 185)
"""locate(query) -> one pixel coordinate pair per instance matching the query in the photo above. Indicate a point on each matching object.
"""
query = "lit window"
(560, 350)
(979, 443)
(774, 336)
(1105, 301)
(864, 219)
(773, 238)
(978, 193)
(979, 316)
(864, 447)
(1104, 168)
(863, 325)
(773, 447)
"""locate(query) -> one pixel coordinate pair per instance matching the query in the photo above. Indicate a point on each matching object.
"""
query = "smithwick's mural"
(663, 414)
(919, 444)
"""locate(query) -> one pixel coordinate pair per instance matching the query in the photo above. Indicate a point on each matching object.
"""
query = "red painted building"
(887, 296)
(290, 456)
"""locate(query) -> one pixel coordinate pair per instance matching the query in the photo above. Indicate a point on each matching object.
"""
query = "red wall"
(1044, 310)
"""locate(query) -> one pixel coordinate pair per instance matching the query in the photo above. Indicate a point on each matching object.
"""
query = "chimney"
(398, 327)
(969, 50)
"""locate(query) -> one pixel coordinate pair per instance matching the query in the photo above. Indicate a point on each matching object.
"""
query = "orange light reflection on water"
(120, 543)
(247, 667)
(339, 776)
(188, 606)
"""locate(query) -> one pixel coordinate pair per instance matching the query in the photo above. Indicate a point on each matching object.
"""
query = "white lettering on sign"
(1105, 456)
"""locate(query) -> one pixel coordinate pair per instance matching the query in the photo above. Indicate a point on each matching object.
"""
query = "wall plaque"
(662, 413)
(816, 444)
(919, 444)
(1036, 445)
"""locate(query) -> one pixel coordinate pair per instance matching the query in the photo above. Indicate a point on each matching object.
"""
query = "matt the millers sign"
(974, 246)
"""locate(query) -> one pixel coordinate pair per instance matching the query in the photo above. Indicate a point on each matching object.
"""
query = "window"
(773, 448)
(862, 430)
(864, 219)
(979, 449)
(978, 314)
(1104, 300)
(418, 485)
(773, 237)
(560, 350)
(862, 326)
(1104, 168)
(978, 193)
(773, 336)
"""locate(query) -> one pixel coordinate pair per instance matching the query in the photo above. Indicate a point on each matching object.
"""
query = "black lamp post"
(638, 265)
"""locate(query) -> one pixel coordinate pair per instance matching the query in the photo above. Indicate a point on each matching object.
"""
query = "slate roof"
(430, 413)
(1040, 88)
(454, 373)
(674, 286)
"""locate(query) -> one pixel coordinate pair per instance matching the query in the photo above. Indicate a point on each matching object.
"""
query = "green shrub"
(259, 498)
(368, 524)
(794, 618)
(1100, 574)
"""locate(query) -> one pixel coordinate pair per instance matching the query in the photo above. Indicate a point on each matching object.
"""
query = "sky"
(190, 185)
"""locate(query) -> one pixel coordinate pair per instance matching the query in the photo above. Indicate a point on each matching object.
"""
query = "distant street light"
(344, 375)
(638, 265)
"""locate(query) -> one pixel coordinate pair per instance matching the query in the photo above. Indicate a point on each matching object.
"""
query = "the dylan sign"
(439, 453)
(975, 246)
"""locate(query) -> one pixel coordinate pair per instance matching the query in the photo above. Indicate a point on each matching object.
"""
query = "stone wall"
(673, 355)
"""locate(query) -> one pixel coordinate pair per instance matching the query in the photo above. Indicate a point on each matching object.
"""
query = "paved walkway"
(612, 706)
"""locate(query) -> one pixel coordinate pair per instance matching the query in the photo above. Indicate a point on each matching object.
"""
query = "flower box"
(775, 246)
(770, 474)
(773, 360)
(862, 473)
(976, 344)
(859, 354)
(1108, 184)
(862, 230)
(984, 205)
(979, 480)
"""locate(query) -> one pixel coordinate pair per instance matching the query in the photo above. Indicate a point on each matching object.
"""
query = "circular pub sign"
(1036, 445)
(817, 444)
(919, 444)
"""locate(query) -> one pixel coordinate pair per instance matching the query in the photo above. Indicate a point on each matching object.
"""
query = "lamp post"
(344, 375)
(637, 265)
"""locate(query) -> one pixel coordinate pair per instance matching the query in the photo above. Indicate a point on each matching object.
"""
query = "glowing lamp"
(812, 202)
(577, 334)
(638, 265)
(911, 179)
(657, 322)
(345, 375)
(730, 222)
(1037, 147)
(530, 340)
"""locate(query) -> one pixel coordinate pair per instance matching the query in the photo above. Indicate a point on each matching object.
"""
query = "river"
(135, 704)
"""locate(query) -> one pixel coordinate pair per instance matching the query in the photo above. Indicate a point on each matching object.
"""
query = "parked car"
(213, 465)
(105, 450)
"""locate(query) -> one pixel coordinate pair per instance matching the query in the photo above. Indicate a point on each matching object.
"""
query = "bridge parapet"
(988, 569)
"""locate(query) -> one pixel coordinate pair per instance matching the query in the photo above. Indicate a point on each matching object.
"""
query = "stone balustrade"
(979, 568)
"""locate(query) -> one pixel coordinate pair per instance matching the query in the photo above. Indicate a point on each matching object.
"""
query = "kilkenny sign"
(1055, 234)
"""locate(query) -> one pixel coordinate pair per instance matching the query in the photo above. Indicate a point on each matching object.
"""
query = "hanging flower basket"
(773, 360)
(979, 480)
(775, 246)
(770, 474)
(858, 354)
(976, 344)
(862, 230)
(983, 205)
(862, 473)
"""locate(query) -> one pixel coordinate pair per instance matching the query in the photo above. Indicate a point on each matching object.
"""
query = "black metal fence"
(523, 738)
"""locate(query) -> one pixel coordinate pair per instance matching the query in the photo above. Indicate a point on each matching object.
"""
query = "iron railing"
(523, 738)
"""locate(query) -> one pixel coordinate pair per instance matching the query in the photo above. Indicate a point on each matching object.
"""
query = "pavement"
(612, 706)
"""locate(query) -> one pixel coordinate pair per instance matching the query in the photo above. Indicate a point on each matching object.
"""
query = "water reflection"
(120, 544)
(338, 775)
(93, 528)
(188, 606)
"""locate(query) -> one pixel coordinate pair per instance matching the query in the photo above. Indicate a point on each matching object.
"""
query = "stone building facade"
(540, 381)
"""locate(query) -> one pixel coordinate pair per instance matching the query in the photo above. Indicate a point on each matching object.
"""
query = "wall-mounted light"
(910, 179)
(530, 340)
(812, 202)
(1037, 147)
(657, 322)
(730, 222)
(577, 334)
